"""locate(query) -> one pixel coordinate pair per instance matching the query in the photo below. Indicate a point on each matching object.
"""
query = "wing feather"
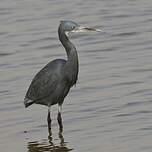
(45, 81)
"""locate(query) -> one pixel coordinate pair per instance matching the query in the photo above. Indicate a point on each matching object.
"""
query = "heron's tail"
(28, 102)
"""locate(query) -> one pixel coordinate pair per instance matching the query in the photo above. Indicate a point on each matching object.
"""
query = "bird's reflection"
(47, 145)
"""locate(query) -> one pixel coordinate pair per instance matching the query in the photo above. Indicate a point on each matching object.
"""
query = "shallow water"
(110, 108)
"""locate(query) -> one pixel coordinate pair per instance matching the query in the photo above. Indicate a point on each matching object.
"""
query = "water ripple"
(112, 101)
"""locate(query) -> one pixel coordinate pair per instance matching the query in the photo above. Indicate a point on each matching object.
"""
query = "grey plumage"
(48, 85)
(52, 83)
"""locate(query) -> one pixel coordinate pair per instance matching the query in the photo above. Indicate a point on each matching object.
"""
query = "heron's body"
(46, 88)
(51, 84)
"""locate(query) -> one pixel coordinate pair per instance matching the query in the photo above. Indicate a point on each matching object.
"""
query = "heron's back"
(48, 85)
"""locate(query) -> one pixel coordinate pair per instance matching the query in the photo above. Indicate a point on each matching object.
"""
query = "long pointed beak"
(85, 29)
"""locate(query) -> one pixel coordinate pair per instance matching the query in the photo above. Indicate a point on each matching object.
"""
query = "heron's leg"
(49, 120)
(60, 118)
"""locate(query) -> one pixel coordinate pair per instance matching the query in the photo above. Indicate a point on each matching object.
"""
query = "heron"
(52, 83)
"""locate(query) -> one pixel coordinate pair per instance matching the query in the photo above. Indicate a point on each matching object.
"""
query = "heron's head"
(72, 27)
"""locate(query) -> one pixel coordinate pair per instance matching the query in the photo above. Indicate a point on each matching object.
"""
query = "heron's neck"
(72, 65)
(70, 49)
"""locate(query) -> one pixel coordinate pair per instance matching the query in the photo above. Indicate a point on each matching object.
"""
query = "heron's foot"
(50, 132)
(49, 129)
(60, 122)
(50, 139)
(61, 138)
(49, 124)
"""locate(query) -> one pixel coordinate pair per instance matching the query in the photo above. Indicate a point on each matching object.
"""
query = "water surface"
(110, 108)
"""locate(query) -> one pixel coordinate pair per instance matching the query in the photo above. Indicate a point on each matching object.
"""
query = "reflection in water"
(47, 145)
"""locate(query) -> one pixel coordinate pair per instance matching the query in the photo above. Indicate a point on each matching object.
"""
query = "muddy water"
(110, 108)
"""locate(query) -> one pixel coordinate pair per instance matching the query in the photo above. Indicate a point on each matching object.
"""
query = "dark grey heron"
(52, 83)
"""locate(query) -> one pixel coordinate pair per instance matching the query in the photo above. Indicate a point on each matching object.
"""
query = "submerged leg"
(49, 120)
(60, 118)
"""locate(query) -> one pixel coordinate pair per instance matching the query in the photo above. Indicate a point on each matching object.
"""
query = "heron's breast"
(71, 77)
(61, 92)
